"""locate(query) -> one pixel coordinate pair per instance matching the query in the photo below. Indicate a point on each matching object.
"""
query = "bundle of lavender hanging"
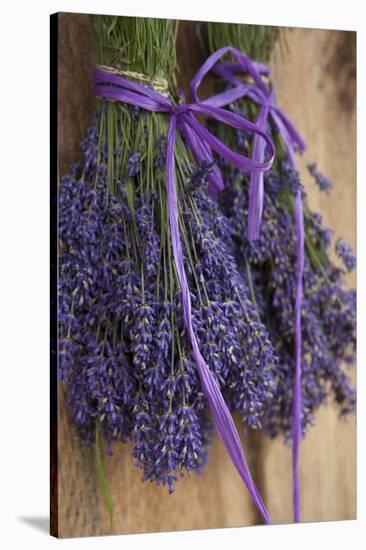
(268, 264)
(282, 250)
(157, 328)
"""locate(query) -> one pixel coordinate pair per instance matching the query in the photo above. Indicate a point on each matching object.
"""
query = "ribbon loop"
(247, 66)
(265, 97)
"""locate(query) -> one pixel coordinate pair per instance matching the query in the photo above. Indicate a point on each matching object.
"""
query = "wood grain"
(315, 79)
(76, 101)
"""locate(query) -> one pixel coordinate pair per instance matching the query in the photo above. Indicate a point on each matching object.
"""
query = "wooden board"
(315, 80)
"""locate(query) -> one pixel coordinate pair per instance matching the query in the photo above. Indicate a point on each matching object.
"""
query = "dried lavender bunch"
(125, 355)
(123, 348)
(114, 334)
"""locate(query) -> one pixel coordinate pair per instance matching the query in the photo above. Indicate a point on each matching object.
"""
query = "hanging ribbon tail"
(289, 135)
(296, 412)
(255, 205)
(292, 138)
(227, 430)
(220, 413)
(285, 125)
(256, 189)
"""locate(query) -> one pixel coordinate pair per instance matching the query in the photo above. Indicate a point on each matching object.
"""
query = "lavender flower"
(291, 177)
(134, 164)
(160, 155)
(345, 252)
(324, 183)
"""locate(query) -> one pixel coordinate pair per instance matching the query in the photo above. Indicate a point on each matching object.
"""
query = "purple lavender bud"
(291, 177)
(324, 183)
(134, 164)
(135, 112)
(345, 252)
(160, 155)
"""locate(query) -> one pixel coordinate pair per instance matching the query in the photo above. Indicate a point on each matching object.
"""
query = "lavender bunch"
(329, 309)
(125, 357)
(115, 335)
(92, 360)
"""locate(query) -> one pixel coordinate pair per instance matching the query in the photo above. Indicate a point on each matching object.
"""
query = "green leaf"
(101, 474)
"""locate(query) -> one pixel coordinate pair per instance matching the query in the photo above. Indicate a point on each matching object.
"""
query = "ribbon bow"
(108, 85)
(265, 97)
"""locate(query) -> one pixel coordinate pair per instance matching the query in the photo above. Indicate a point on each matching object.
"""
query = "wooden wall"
(314, 73)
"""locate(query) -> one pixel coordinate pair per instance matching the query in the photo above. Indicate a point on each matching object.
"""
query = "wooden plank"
(307, 78)
(76, 101)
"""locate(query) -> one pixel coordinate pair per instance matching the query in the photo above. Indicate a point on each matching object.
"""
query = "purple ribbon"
(266, 99)
(182, 117)
(296, 403)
